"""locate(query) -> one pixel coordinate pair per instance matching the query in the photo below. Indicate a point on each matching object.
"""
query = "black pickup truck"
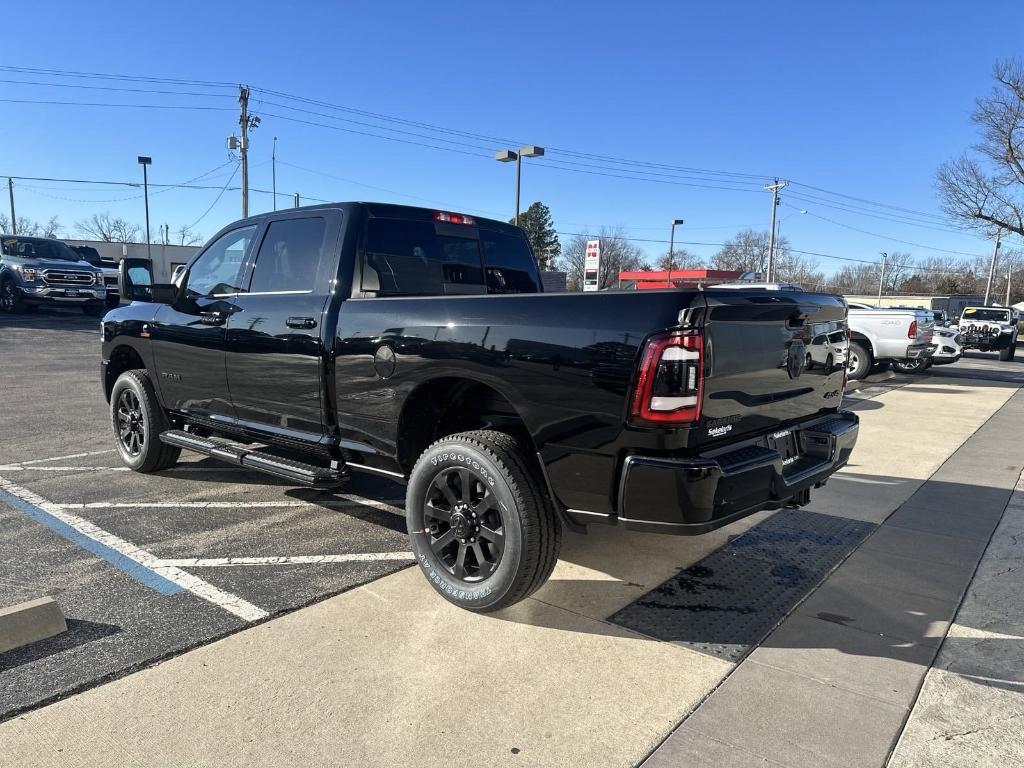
(418, 345)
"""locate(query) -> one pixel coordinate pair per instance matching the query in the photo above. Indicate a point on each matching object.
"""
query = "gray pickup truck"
(38, 270)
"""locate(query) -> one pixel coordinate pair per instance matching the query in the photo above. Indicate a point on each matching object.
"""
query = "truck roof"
(395, 211)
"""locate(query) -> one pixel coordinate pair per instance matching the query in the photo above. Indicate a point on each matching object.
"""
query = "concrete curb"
(30, 622)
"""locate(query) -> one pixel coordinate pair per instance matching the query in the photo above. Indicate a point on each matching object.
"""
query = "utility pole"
(10, 191)
(295, 200)
(273, 173)
(992, 266)
(1009, 277)
(774, 189)
(245, 123)
(881, 280)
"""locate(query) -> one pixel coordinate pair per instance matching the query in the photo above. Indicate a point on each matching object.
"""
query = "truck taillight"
(912, 331)
(670, 382)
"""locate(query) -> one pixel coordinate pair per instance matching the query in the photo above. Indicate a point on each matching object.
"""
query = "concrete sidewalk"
(835, 682)
(390, 674)
(971, 709)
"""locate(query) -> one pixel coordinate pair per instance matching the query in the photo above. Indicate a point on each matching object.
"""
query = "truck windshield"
(987, 315)
(37, 248)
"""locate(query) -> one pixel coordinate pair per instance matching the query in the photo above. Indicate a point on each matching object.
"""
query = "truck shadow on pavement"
(48, 319)
(801, 587)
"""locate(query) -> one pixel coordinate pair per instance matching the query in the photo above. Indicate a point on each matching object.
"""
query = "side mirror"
(135, 283)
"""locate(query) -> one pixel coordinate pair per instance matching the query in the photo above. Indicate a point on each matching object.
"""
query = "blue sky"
(863, 99)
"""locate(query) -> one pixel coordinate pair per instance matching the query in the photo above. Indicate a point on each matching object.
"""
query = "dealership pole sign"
(592, 266)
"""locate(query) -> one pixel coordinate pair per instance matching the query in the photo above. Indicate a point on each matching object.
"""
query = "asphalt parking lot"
(240, 546)
(202, 551)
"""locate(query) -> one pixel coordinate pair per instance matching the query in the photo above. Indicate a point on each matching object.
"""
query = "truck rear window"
(418, 258)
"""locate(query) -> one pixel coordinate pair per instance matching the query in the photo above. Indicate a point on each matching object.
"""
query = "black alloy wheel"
(464, 523)
(131, 423)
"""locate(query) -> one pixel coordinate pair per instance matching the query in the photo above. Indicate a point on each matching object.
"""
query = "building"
(165, 257)
(676, 278)
(952, 305)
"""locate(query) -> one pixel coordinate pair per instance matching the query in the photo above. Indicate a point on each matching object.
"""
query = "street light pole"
(672, 248)
(507, 156)
(145, 163)
(881, 279)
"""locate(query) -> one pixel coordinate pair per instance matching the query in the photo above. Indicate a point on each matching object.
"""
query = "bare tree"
(109, 229)
(185, 235)
(679, 258)
(748, 252)
(985, 190)
(617, 255)
(31, 228)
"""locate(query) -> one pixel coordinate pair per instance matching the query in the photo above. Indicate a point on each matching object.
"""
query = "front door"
(275, 352)
(188, 338)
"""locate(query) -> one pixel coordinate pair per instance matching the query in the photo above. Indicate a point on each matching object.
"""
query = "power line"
(216, 199)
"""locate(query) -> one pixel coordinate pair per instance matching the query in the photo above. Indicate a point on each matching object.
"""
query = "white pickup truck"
(902, 337)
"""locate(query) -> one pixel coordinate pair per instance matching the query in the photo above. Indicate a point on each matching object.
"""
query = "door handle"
(300, 322)
(212, 318)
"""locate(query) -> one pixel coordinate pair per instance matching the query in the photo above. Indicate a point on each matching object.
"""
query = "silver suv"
(38, 270)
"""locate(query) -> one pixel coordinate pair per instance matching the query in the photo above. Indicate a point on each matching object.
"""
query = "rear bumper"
(917, 351)
(693, 496)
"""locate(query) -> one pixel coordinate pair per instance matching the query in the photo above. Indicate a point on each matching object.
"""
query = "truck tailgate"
(758, 372)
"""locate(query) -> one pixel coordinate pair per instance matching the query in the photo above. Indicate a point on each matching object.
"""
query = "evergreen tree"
(540, 231)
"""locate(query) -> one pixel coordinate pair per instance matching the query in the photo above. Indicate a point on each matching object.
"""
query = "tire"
(137, 419)
(10, 297)
(95, 309)
(809, 362)
(829, 362)
(113, 301)
(912, 367)
(1006, 353)
(858, 361)
(507, 556)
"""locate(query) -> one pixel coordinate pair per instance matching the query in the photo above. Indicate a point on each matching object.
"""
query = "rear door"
(274, 340)
(756, 346)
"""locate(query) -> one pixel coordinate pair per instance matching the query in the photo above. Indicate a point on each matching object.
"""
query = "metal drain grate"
(726, 603)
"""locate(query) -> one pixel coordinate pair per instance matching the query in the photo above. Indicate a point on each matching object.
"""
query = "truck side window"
(219, 268)
(409, 258)
(289, 256)
(508, 263)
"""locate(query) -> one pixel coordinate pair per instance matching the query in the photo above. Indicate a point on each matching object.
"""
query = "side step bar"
(289, 469)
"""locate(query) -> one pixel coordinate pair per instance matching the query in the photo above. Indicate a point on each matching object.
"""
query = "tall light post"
(507, 156)
(145, 162)
(672, 248)
(881, 279)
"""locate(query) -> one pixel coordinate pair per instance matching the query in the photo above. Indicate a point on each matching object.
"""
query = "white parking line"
(65, 458)
(23, 468)
(117, 551)
(222, 562)
(341, 503)
(383, 506)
